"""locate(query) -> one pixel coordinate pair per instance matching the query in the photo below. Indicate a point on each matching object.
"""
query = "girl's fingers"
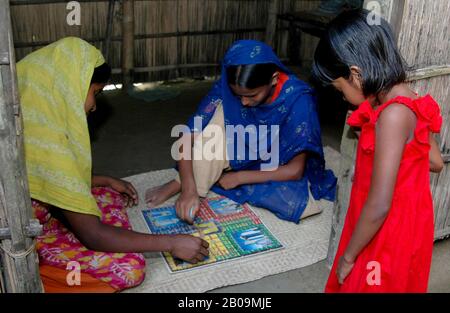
(183, 214)
(134, 196)
(131, 194)
(205, 244)
(177, 209)
(199, 258)
(204, 252)
(180, 211)
(128, 191)
(192, 261)
(338, 277)
(190, 214)
(126, 199)
(193, 210)
(196, 209)
(133, 190)
(149, 195)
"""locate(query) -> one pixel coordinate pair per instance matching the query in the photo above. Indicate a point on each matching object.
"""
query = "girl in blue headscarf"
(263, 124)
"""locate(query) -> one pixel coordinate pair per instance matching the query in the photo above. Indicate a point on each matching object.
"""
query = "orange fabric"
(282, 78)
(54, 280)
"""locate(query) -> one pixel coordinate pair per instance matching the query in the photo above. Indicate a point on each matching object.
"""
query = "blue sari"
(294, 111)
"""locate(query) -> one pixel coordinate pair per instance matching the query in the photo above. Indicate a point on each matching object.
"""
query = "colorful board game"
(231, 229)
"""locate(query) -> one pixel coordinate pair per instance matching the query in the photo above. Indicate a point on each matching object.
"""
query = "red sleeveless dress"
(401, 250)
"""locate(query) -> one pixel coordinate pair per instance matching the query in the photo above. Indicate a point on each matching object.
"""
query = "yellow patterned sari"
(53, 85)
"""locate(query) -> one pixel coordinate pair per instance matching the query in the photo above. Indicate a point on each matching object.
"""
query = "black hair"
(102, 74)
(251, 76)
(351, 41)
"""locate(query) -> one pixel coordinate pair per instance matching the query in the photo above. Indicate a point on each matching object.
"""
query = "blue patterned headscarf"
(294, 111)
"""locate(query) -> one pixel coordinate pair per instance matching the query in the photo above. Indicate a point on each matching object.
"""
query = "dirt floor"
(131, 136)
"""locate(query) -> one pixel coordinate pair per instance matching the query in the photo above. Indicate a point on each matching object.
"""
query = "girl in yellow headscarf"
(57, 86)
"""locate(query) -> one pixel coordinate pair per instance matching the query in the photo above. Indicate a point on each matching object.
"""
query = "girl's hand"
(229, 180)
(126, 189)
(189, 248)
(187, 206)
(344, 268)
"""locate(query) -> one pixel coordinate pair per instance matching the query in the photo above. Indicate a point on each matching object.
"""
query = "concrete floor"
(130, 136)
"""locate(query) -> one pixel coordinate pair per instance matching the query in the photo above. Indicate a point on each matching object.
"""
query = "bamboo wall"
(19, 268)
(425, 41)
(228, 20)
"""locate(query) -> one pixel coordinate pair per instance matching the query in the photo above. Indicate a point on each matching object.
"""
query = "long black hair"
(251, 76)
(101, 74)
(351, 41)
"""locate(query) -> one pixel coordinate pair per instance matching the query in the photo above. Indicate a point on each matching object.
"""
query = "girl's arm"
(119, 185)
(293, 170)
(100, 181)
(393, 129)
(185, 166)
(97, 236)
(189, 197)
(436, 161)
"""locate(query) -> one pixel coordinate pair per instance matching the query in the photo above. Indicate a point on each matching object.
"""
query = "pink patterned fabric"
(58, 246)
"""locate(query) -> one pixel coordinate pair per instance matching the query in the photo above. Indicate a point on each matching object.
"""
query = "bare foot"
(157, 195)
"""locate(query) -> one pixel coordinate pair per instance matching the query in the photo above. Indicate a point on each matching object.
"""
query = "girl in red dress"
(387, 241)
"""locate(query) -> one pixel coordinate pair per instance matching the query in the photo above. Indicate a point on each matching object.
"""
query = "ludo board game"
(231, 229)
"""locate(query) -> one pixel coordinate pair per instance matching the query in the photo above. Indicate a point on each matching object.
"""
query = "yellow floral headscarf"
(53, 86)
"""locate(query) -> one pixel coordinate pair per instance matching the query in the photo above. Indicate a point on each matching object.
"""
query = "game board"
(231, 229)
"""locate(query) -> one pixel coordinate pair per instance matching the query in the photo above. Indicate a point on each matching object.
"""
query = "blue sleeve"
(302, 130)
(206, 109)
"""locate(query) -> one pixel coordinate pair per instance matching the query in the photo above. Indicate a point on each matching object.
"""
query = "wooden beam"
(33, 230)
(154, 35)
(31, 2)
(161, 68)
(127, 43)
(109, 27)
(429, 72)
(37, 2)
(21, 269)
(165, 67)
(295, 40)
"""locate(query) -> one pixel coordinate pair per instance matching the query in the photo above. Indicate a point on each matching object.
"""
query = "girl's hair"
(101, 74)
(351, 41)
(252, 75)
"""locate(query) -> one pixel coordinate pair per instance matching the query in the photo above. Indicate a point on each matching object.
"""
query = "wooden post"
(271, 28)
(348, 147)
(294, 44)
(127, 44)
(392, 11)
(17, 250)
(177, 71)
(109, 26)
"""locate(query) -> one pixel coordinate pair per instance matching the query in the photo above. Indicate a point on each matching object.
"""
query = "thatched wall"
(425, 41)
(174, 28)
